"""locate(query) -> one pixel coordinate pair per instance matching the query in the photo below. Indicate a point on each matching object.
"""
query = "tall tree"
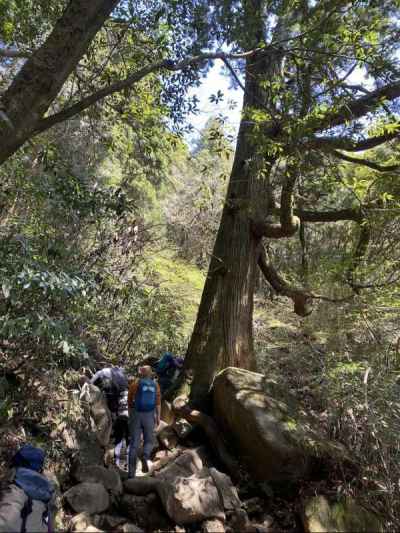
(300, 112)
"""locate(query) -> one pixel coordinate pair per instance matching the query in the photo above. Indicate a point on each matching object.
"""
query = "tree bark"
(41, 78)
(223, 332)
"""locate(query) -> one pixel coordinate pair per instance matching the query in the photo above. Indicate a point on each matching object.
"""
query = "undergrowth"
(342, 364)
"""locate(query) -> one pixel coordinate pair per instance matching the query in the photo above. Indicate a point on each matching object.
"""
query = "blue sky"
(215, 81)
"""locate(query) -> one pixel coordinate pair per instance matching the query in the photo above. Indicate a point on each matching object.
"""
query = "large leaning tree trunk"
(223, 332)
(41, 78)
(299, 112)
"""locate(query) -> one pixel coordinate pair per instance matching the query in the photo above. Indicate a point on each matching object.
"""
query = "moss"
(185, 280)
(291, 425)
(320, 516)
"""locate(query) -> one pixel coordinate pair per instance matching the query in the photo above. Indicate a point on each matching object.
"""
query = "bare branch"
(350, 145)
(302, 299)
(337, 215)
(128, 82)
(359, 107)
(366, 162)
(289, 223)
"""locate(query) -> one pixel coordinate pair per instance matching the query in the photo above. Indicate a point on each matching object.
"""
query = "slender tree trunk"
(42, 76)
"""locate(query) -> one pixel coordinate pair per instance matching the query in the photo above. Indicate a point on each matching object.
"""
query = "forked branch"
(302, 299)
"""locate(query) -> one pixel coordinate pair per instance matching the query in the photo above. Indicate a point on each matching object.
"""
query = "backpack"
(165, 364)
(146, 396)
(29, 457)
(24, 506)
(39, 491)
(20, 513)
(112, 394)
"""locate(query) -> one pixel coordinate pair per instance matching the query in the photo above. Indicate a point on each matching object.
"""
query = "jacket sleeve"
(132, 393)
(158, 395)
(95, 377)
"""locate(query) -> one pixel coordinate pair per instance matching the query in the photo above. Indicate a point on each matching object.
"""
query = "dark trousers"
(141, 423)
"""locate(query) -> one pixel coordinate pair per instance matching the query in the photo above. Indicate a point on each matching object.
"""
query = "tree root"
(182, 409)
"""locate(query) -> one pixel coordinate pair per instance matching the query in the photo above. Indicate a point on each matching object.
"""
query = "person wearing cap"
(144, 404)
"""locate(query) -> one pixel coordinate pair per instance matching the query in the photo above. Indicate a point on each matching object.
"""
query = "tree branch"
(358, 107)
(289, 223)
(301, 298)
(118, 86)
(366, 162)
(350, 145)
(275, 231)
(337, 215)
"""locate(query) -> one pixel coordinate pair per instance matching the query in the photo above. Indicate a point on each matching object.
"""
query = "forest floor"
(321, 360)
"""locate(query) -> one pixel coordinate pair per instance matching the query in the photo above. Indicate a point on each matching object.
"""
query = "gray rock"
(90, 452)
(86, 497)
(191, 499)
(227, 492)
(145, 511)
(186, 464)
(131, 528)
(322, 517)
(95, 402)
(182, 428)
(80, 522)
(213, 526)
(108, 477)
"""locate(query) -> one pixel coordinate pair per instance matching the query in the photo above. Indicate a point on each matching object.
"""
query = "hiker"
(168, 369)
(112, 381)
(144, 404)
(121, 427)
(26, 504)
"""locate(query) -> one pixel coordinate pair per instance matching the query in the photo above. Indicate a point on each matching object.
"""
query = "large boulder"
(322, 517)
(90, 498)
(90, 451)
(188, 463)
(191, 499)
(273, 438)
(100, 415)
(108, 477)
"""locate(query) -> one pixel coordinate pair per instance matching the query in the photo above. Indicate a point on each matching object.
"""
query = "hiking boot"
(146, 464)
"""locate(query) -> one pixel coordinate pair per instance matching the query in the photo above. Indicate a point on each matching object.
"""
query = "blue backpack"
(146, 396)
(29, 457)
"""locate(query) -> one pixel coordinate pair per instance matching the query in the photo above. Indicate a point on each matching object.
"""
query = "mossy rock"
(273, 437)
(322, 517)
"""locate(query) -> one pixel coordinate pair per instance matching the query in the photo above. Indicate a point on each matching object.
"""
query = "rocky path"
(283, 466)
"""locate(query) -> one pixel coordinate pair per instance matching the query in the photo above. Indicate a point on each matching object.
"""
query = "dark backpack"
(28, 462)
(29, 457)
(37, 489)
(146, 396)
(111, 392)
